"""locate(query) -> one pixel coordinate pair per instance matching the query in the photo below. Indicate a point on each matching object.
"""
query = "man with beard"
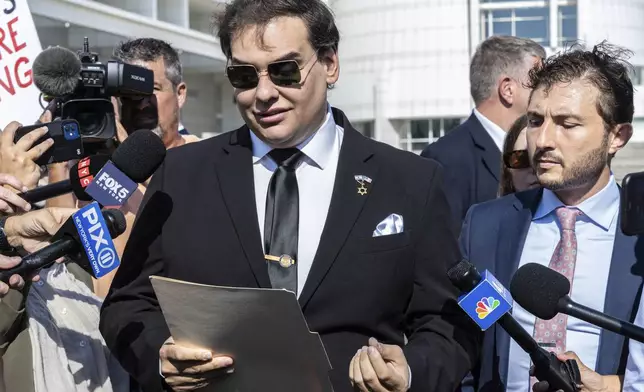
(579, 115)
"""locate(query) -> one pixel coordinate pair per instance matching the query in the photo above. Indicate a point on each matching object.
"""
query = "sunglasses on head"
(518, 159)
(282, 73)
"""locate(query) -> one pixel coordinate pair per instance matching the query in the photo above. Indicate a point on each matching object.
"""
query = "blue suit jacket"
(492, 238)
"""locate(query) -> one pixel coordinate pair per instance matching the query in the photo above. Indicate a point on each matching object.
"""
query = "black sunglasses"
(282, 73)
(518, 159)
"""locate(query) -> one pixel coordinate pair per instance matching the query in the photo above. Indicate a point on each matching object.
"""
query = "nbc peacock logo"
(485, 306)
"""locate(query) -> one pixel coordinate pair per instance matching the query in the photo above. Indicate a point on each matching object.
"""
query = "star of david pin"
(363, 184)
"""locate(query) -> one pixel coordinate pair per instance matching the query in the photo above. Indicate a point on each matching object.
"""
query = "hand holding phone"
(19, 159)
(66, 138)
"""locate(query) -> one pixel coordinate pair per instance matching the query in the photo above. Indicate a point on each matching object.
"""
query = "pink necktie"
(551, 334)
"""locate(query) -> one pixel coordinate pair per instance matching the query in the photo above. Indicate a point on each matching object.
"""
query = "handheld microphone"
(544, 293)
(56, 71)
(86, 237)
(547, 367)
(136, 159)
(140, 155)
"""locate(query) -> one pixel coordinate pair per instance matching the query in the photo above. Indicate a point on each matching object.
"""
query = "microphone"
(56, 71)
(141, 154)
(86, 237)
(479, 290)
(544, 293)
(80, 175)
(137, 158)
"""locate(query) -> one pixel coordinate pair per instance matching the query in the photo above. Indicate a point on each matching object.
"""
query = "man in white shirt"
(471, 153)
(579, 117)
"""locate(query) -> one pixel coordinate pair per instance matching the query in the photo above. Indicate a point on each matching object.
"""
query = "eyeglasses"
(518, 159)
(282, 73)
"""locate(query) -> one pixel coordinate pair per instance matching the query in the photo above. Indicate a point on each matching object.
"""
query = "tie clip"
(284, 260)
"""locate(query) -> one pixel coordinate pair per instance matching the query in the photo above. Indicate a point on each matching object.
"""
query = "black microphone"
(137, 158)
(69, 243)
(544, 293)
(547, 367)
(56, 71)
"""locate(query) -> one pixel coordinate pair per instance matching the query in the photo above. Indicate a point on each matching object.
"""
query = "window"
(567, 24)
(417, 134)
(524, 22)
(529, 19)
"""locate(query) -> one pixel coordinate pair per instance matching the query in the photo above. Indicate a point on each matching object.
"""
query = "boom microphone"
(547, 367)
(56, 71)
(544, 293)
(74, 243)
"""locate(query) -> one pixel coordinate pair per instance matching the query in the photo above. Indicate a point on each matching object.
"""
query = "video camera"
(82, 87)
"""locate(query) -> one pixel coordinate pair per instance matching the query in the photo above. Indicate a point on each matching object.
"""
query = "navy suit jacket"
(492, 238)
(472, 164)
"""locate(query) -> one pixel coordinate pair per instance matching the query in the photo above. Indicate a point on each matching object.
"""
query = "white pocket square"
(393, 224)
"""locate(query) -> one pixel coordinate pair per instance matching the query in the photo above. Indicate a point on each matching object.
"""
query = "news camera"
(81, 88)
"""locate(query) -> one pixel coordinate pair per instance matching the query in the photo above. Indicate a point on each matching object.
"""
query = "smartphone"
(67, 140)
(632, 204)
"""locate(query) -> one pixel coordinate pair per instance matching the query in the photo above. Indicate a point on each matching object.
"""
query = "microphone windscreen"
(538, 289)
(81, 177)
(464, 275)
(115, 220)
(56, 71)
(139, 156)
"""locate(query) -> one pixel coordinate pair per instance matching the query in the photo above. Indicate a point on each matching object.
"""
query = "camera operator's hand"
(19, 158)
(32, 231)
(15, 282)
(121, 133)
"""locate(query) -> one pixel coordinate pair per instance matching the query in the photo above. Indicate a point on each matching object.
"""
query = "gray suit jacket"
(16, 362)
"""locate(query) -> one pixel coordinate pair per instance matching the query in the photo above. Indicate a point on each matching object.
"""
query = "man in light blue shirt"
(579, 117)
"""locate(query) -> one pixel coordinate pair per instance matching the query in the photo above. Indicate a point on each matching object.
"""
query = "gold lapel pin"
(363, 182)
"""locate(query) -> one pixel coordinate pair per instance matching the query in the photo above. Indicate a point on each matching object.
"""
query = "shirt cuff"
(409, 383)
(160, 372)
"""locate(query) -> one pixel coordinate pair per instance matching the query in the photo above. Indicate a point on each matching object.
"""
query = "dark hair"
(506, 186)
(151, 49)
(605, 67)
(497, 55)
(241, 14)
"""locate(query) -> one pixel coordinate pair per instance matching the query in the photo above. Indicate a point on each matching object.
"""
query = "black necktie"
(282, 220)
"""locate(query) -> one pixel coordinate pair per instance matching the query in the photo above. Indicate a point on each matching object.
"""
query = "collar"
(316, 147)
(496, 132)
(601, 208)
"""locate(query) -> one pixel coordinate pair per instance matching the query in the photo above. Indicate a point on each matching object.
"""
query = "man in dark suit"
(579, 116)
(471, 153)
(297, 199)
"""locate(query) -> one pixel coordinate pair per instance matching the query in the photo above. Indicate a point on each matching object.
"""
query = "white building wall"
(621, 23)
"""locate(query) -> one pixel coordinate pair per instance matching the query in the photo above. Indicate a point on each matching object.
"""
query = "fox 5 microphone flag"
(96, 240)
(110, 187)
(487, 302)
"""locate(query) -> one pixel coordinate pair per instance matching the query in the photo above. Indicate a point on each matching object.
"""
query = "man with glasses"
(297, 199)
(579, 116)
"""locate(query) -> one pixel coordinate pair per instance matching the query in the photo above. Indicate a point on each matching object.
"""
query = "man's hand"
(32, 231)
(16, 281)
(590, 380)
(9, 201)
(19, 158)
(121, 133)
(379, 368)
(187, 369)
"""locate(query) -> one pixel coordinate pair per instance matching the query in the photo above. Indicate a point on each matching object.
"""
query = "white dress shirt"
(496, 132)
(595, 230)
(634, 377)
(315, 178)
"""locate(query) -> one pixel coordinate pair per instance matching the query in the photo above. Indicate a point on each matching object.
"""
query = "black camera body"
(90, 103)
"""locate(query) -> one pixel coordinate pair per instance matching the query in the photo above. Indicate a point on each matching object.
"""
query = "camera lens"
(91, 123)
